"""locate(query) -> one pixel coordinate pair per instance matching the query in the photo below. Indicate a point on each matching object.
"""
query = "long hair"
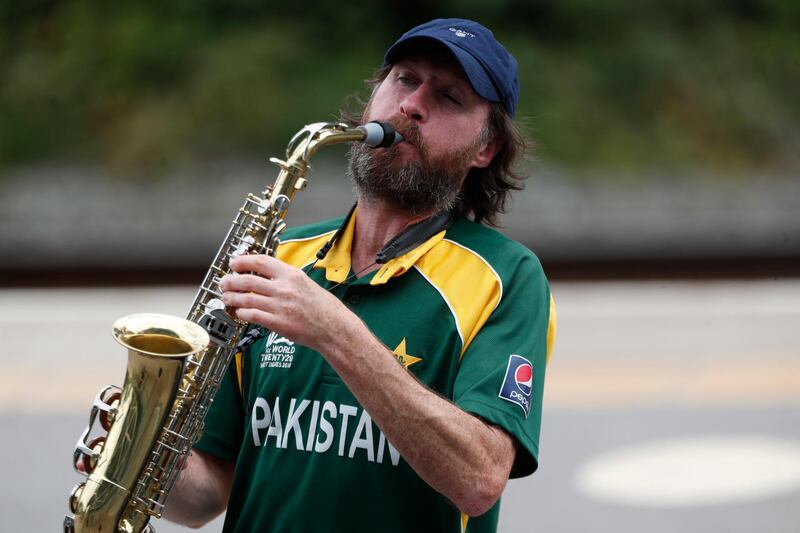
(486, 191)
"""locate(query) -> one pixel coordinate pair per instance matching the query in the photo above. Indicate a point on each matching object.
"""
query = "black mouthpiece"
(380, 134)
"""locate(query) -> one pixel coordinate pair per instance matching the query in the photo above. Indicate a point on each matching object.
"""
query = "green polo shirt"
(468, 312)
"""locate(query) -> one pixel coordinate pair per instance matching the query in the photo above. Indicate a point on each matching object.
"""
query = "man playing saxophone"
(396, 379)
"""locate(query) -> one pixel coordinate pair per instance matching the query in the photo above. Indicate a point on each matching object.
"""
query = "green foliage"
(619, 86)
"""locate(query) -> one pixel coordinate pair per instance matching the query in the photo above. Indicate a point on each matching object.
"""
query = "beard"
(424, 185)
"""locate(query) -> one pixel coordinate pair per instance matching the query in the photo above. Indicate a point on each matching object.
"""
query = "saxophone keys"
(280, 162)
(74, 496)
(90, 460)
(69, 524)
(107, 417)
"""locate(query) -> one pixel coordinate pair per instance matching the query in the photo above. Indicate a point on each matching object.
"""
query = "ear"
(487, 152)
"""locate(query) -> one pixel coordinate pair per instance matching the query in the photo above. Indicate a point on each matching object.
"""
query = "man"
(319, 428)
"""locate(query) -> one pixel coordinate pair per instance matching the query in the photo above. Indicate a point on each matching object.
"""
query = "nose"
(415, 105)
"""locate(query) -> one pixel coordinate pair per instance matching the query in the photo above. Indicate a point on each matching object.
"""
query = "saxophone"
(175, 366)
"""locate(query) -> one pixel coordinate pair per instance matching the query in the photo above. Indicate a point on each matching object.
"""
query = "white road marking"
(693, 471)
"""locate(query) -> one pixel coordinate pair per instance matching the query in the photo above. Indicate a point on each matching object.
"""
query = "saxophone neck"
(308, 140)
(305, 144)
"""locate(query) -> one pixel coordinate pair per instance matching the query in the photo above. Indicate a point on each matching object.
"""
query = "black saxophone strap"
(406, 240)
(252, 335)
(414, 235)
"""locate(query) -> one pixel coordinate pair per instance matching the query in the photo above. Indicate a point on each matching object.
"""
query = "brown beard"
(426, 185)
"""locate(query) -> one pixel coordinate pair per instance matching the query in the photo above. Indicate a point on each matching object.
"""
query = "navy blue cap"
(490, 68)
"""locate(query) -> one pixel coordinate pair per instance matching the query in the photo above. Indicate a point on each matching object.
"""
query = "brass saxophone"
(175, 366)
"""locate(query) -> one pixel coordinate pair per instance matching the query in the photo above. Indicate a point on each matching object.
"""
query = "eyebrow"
(447, 74)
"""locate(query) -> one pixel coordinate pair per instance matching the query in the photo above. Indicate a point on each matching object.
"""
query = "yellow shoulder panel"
(472, 291)
(300, 252)
(552, 327)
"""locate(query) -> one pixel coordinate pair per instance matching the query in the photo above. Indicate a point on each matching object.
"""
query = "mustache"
(408, 129)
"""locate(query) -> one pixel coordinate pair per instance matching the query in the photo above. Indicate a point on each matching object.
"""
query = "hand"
(268, 292)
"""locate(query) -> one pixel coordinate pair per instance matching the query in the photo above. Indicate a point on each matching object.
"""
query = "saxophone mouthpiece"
(380, 134)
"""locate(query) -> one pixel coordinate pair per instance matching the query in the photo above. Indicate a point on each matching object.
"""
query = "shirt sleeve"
(222, 436)
(501, 376)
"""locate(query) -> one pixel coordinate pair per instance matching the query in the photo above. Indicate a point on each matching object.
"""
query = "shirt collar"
(337, 262)
(400, 265)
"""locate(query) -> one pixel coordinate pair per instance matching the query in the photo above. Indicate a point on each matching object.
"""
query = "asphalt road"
(668, 406)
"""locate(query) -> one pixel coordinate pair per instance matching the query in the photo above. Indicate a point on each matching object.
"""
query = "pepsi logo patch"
(518, 382)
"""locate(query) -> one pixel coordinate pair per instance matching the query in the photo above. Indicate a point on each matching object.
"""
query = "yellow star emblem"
(405, 359)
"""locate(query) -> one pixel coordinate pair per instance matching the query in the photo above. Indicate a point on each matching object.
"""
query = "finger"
(263, 265)
(247, 300)
(246, 283)
(257, 316)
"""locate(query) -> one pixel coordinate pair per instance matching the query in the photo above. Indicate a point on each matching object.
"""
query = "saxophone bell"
(158, 346)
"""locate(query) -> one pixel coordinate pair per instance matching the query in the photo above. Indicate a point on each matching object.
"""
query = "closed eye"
(452, 99)
(405, 80)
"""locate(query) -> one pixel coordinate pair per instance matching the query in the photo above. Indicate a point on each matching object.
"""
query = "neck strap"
(406, 240)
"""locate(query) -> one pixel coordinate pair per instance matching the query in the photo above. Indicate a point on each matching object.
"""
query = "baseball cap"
(490, 68)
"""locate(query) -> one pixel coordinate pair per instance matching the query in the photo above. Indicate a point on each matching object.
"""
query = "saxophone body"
(175, 366)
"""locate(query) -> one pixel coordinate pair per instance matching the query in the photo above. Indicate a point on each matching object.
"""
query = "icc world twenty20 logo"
(518, 383)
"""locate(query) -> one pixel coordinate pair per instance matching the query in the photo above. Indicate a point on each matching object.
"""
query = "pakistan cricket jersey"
(468, 312)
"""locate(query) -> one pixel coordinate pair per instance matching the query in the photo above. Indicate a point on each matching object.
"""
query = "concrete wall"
(70, 216)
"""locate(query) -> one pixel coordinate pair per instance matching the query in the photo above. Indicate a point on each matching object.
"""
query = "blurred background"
(663, 201)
